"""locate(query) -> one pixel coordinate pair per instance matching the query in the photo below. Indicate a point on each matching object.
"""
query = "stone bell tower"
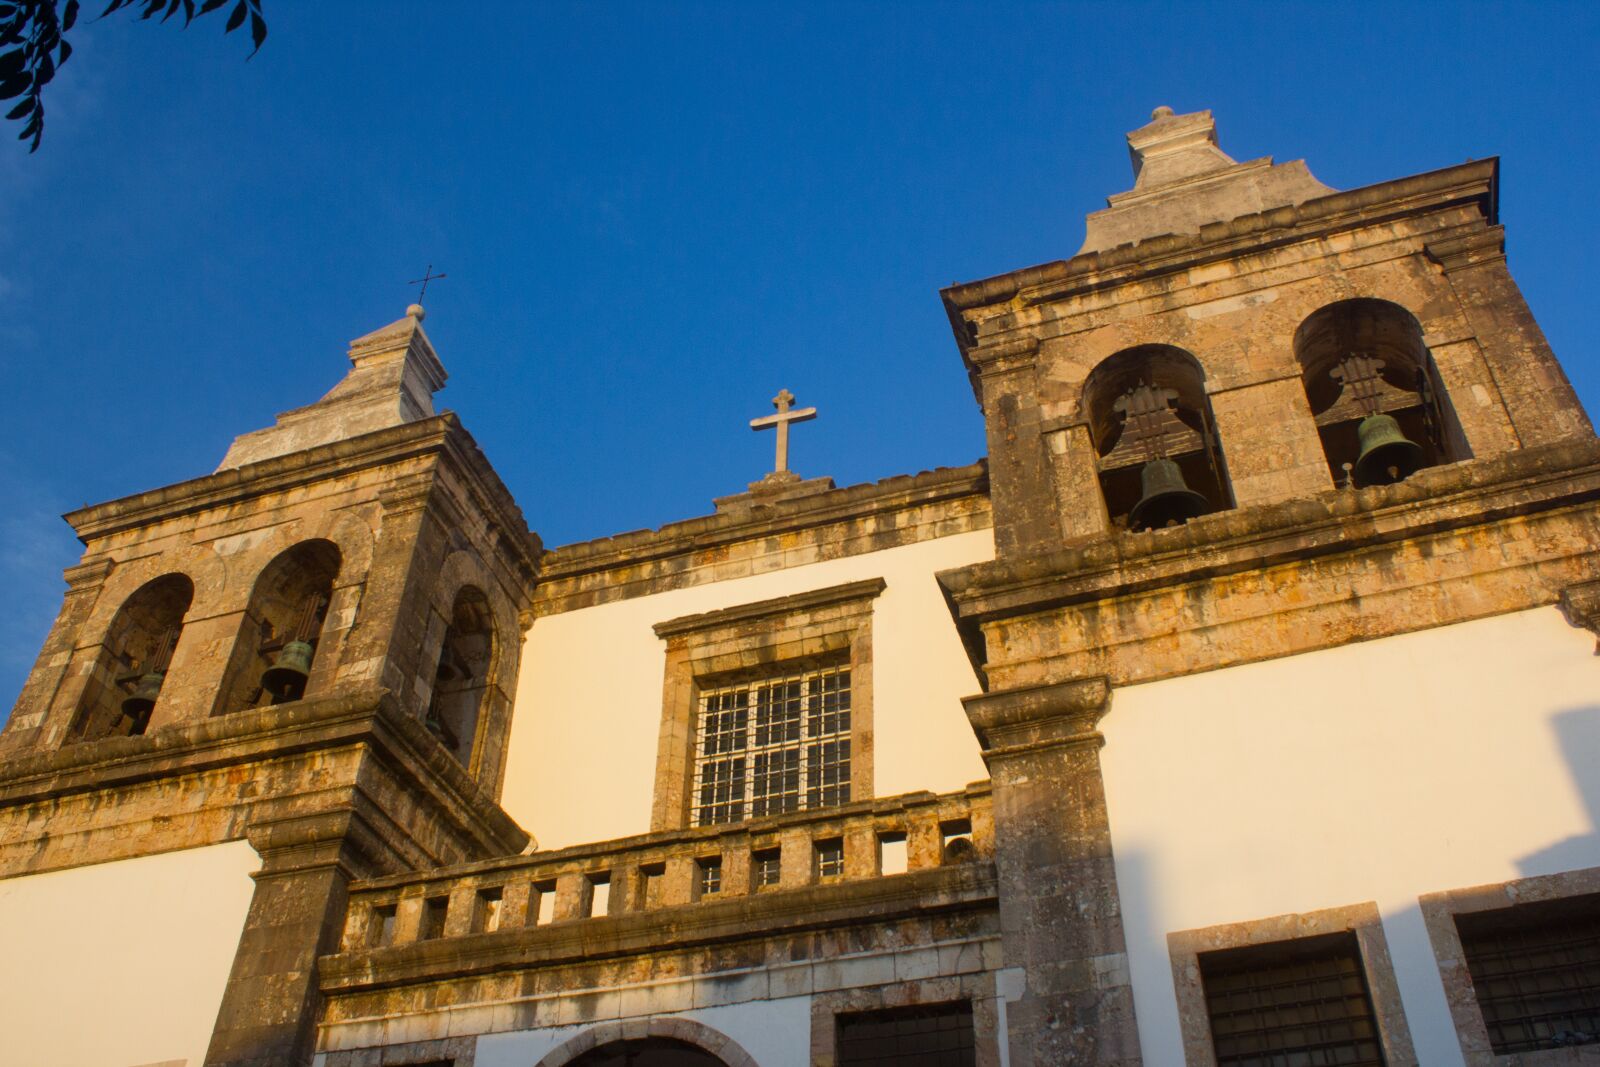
(1253, 417)
(313, 649)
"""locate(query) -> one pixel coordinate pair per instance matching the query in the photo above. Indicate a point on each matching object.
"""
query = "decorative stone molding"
(1044, 716)
(688, 1031)
(1454, 253)
(1581, 605)
(1363, 920)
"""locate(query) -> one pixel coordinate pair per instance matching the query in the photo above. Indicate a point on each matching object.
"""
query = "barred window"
(926, 1035)
(773, 745)
(1536, 972)
(1291, 1002)
(766, 868)
(710, 875)
(830, 858)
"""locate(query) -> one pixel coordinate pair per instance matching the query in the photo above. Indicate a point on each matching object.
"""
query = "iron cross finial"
(786, 414)
(427, 276)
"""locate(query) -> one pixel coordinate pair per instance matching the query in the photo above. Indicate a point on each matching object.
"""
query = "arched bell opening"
(130, 668)
(1160, 463)
(648, 1052)
(1375, 393)
(282, 628)
(461, 679)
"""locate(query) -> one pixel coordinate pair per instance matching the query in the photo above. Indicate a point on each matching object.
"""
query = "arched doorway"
(648, 1052)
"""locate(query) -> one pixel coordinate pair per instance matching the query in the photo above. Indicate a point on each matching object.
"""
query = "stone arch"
(287, 611)
(463, 675)
(1149, 419)
(688, 1031)
(1363, 362)
(130, 664)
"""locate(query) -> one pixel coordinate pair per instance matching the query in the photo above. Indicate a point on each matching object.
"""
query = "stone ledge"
(437, 434)
(1477, 180)
(241, 747)
(765, 609)
(1337, 521)
(826, 525)
(970, 886)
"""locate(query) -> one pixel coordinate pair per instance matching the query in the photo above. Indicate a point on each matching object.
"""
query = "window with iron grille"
(710, 875)
(830, 858)
(773, 745)
(1291, 1003)
(931, 1035)
(766, 868)
(1536, 972)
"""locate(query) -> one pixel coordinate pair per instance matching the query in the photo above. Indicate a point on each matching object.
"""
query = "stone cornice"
(873, 901)
(650, 560)
(1470, 494)
(766, 609)
(243, 743)
(1474, 181)
(440, 434)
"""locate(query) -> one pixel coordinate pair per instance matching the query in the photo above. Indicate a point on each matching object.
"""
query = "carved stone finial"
(1162, 112)
(416, 311)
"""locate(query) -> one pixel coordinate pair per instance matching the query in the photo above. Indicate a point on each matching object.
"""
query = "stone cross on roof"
(786, 414)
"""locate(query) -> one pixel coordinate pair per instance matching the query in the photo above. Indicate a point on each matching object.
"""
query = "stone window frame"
(1186, 946)
(978, 988)
(1439, 911)
(714, 648)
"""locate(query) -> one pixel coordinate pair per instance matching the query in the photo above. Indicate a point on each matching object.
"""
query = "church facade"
(1242, 706)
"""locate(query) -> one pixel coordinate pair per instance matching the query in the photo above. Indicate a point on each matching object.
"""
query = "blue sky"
(653, 216)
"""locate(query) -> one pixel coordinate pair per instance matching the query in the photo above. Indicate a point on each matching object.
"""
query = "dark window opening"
(1536, 972)
(131, 665)
(927, 1035)
(647, 1052)
(830, 858)
(709, 875)
(1291, 1002)
(380, 928)
(434, 910)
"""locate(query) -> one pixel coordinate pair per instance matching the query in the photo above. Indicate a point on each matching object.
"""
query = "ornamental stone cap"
(393, 375)
(1183, 180)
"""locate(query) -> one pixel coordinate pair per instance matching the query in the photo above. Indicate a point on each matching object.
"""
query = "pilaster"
(270, 1004)
(1060, 915)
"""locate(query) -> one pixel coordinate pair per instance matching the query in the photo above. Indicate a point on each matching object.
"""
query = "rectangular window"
(892, 853)
(830, 858)
(380, 929)
(544, 908)
(932, 1035)
(1536, 972)
(772, 746)
(653, 876)
(486, 919)
(766, 868)
(1302, 1001)
(709, 876)
(434, 910)
(599, 894)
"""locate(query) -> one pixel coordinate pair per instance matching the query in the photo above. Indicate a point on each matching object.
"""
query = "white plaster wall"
(581, 765)
(1379, 771)
(776, 1033)
(120, 964)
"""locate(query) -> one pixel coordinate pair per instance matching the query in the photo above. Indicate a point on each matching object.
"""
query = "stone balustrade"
(674, 869)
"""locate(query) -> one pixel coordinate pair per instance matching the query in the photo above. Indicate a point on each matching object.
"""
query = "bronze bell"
(138, 706)
(1166, 498)
(1387, 456)
(286, 678)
